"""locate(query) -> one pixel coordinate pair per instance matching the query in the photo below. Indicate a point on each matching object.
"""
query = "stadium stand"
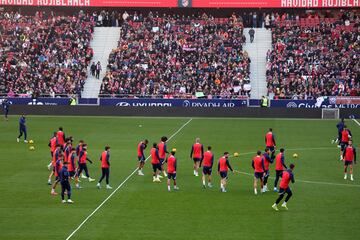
(173, 56)
(315, 56)
(44, 54)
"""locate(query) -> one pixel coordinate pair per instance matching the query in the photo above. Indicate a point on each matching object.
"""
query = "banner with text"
(189, 3)
(201, 103)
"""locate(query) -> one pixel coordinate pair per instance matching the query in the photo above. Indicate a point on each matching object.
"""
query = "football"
(32, 148)
(31, 141)
(236, 154)
(295, 155)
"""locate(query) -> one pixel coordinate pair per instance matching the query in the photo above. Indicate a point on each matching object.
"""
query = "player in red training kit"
(345, 137)
(207, 163)
(270, 142)
(141, 156)
(52, 145)
(287, 176)
(105, 167)
(162, 147)
(223, 167)
(60, 135)
(259, 169)
(197, 154)
(171, 169)
(349, 157)
(279, 167)
(267, 162)
(155, 162)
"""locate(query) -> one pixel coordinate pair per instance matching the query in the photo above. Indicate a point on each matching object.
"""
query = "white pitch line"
(312, 182)
(356, 121)
(121, 184)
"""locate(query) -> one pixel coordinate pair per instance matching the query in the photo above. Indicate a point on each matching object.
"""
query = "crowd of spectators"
(315, 56)
(44, 53)
(179, 56)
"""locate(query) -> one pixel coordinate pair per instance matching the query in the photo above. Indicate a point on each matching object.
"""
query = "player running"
(279, 167)
(82, 163)
(162, 154)
(259, 169)
(105, 167)
(267, 162)
(287, 176)
(345, 137)
(171, 170)
(64, 178)
(349, 157)
(270, 142)
(22, 129)
(340, 128)
(155, 162)
(197, 154)
(223, 167)
(207, 163)
(141, 156)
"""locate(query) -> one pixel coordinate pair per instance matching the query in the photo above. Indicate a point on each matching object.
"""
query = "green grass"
(145, 210)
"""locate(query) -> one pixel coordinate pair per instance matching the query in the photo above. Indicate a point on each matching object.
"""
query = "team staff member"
(162, 147)
(155, 162)
(141, 156)
(82, 163)
(349, 157)
(270, 142)
(287, 176)
(345, 137)
(105, 167)
(64, 177)
(6, 105)
(259, 169)
(22, 129)
(223, 167)
(267, 162)
(207, 164)
(171, 170)
(197, 154)
(279, 167)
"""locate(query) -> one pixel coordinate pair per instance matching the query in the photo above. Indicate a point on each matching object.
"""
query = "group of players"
(205, 159)
(347, 150)
(69, 162)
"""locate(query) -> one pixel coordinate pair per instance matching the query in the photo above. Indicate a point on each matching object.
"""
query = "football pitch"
(324, 205)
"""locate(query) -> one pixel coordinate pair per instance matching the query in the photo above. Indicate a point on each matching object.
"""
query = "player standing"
(270, 142)
(64, 178)
(56, 154)
(57, 168)
(52, 144)
(82, 163)
(72, 167)
(197, 154)
(22, 129)
(345, 137)
(171, 170)
(267, 162)
(223, 167)
(207, 164)
(162, 154)
(287, 176)
(279, 167)
(349, 157)
(60, 135)
(340, 128)
(141, 156)
(259, 169)
(155, 162)
(105, 167)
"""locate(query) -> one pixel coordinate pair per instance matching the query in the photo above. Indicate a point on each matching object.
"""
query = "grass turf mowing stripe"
(356, 121)
(121, 184)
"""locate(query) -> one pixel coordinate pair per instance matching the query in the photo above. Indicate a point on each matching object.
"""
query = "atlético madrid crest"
(184, 3)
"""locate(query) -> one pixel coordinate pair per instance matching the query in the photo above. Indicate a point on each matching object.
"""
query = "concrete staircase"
(105, 39)
(257, 52)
